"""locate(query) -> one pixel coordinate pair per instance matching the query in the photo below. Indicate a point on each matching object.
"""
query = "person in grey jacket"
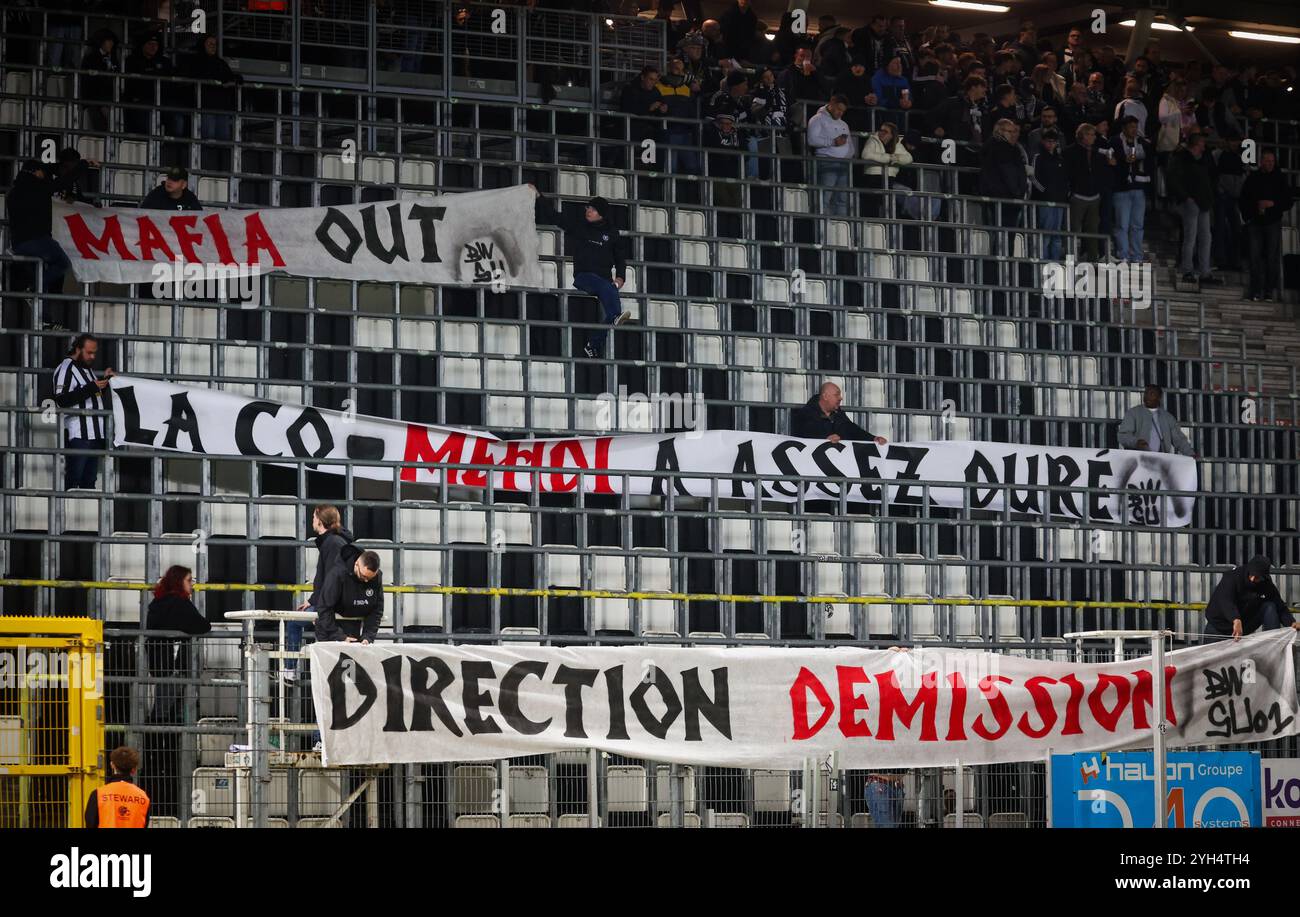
(1149, 427)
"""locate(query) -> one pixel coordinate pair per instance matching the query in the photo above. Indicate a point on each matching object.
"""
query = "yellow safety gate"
(51, 719)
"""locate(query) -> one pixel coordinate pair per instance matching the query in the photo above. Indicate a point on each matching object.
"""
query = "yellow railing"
(613, 594)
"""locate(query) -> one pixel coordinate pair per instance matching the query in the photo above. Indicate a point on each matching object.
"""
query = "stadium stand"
(744, 293)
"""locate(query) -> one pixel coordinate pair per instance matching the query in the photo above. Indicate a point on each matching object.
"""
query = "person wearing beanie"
(1246, 600)
(597, 253)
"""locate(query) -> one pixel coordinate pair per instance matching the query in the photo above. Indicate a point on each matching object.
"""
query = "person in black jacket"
(172, 609)
(1051, 186)
(874, 43)
(1002, 171)
(71, 175)
(1191, 189)
(330, 537)
(962, 119)
(28, 207)
(1266, 196)
(146, 64)
(350, 602)
(214, 101)
(1245, 601)
(1083, 166)
(823, 418)
(173, 193)
(597, 253)
(740, 32)
(641, 97)
(1135, 164)
(101, 58)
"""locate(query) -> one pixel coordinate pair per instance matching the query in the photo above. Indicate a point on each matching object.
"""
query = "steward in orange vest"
(119, 803)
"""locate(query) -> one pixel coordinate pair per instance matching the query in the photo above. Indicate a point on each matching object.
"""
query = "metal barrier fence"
(656, 547)
(228, 742)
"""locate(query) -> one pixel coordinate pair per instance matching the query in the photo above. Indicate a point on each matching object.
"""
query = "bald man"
(821, 418)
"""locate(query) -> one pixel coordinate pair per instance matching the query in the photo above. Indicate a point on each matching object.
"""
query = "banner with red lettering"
(487, 237)
(1124, 486)
(772, 707)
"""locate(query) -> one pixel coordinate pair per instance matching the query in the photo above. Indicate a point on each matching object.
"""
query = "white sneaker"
(288, 676)
(317, 748)
(623, 318)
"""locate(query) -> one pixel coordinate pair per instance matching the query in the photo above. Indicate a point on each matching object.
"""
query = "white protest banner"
(773, 707)
(1125, 486)
(477, 237)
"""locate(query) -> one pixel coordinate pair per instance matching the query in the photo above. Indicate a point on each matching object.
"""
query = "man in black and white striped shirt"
(75, 386)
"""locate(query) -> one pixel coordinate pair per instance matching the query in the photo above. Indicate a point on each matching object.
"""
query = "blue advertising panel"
(1205, 790)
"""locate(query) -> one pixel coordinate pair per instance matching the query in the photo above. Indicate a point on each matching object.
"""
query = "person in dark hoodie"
(823, 418)
(146, 64)
(740, 32)
(1266, 197)
(597, 251)
(961, 118)
(928, 89)
(330, 537)
(350, 603)
(1051, 185)
(1247, 600)
(30, 221)
(101, 58)
(172, 193)
(72, 176)
(172, 608)
(855, 85)
(214, 101)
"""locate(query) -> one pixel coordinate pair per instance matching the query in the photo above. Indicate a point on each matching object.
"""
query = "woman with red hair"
(172, 609)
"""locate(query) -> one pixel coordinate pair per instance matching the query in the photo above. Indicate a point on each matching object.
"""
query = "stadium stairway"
(1269, 331)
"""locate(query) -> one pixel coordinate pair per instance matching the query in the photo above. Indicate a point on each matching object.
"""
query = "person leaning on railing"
(172, 608)
(823, 418)
(350, 603)
(1247, 600)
